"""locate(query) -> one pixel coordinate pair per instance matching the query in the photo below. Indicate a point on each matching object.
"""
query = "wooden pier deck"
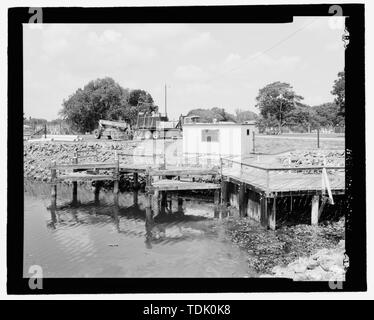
(257, 187)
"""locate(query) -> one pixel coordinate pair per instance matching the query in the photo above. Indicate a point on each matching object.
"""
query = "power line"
(264, 51)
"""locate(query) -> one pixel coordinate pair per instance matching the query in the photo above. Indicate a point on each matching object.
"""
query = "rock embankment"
(304, 158)
(324, 265)
(39, 156)
(300, 252)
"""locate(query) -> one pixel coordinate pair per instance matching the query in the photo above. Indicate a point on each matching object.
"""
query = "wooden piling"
(224, 192)
(180, 204)
(53, 181)
(135, 182)
(116, 174)
(216, 197)
(314, 211)
(243, 201)
(116, 212)
(264, 210)
(135, 197)
(97, 192)
(163, 201)
(272, 214)
(75, 193)
(75, 183)
(156, 202)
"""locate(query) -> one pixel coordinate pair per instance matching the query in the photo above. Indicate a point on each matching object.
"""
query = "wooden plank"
(124, 169)
(183, 172)
(287, 182)
(164, 185)
(79, 177)
(97, 165)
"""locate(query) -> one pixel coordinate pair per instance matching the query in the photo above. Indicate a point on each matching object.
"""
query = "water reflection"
(85, 232)
(156, 225)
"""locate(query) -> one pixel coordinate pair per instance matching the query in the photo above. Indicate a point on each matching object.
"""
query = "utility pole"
(280, 118)
(166, 113)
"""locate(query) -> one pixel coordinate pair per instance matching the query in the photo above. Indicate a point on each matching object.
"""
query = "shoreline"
(299, 252)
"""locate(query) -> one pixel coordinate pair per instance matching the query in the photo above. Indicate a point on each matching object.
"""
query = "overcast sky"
(204, 65)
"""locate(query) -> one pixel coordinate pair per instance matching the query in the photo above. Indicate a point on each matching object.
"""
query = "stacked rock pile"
(324, 265)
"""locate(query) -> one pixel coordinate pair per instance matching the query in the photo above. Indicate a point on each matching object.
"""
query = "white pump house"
(219, 139)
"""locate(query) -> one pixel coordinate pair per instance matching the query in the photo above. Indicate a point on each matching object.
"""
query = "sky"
(203, 65)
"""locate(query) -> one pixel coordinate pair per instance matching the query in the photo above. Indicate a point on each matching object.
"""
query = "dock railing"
(269, 178)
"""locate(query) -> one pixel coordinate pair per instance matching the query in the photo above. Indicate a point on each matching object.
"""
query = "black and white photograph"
(190, 150)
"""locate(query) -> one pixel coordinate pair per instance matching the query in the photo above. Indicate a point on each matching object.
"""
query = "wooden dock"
(253, 189)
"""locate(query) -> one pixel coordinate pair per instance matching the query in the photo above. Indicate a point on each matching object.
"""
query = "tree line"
(278, 104)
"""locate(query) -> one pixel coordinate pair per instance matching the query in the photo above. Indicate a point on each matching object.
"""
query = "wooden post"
(272, 214)
(135, 195)
(318, 138)
(75, 183)
(217, 197)
(148, 220)
(116, 212)
(180, 204)
(97, 192)
(264, 210)
(135, 183)
(163, 202)
(314, 213)
(243, 201)
(155, 202)
(148, 178)
(53, 182)
(116, 174)
(224, 192)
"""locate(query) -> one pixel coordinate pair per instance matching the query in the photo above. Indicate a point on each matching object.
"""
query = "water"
(96, 238)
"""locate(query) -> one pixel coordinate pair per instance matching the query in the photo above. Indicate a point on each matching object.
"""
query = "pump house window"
(210, 135)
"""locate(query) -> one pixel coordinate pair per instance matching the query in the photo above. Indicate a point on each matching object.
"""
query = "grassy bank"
(277, 144)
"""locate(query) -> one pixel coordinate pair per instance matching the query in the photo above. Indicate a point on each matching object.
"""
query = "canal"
(104, 238)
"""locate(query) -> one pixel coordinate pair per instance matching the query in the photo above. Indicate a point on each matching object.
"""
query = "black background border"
(355, 147)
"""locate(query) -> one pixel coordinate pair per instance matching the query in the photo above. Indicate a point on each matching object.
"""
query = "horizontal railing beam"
(284, 168)
(101, 165)
(183, 172)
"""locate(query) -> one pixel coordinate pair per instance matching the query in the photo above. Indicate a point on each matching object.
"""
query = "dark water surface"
(100, 239)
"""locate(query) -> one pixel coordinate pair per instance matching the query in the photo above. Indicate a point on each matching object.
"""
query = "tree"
(245, 115)
(301, 117)
(209, 115)
(103, 99)
(338, 91)
(327, 115)
(267, 124)
(277, 100)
